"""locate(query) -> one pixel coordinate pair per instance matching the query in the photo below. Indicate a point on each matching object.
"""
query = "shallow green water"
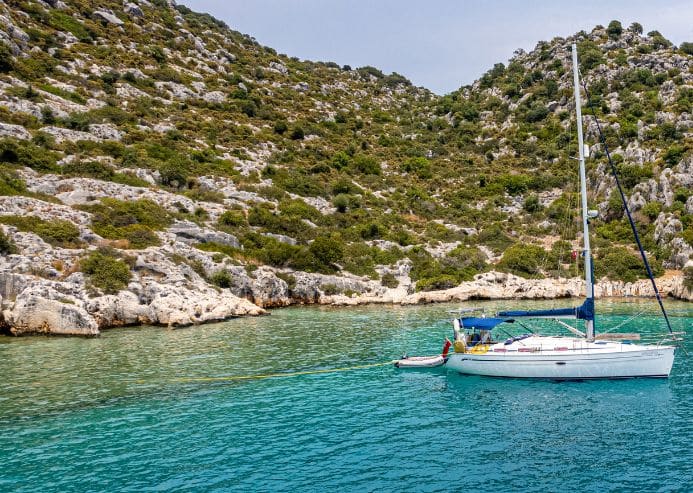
(115, 413)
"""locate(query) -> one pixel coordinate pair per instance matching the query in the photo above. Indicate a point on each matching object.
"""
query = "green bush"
(25, 153)
(297, 133)
(514, 184)
(359, 259)
(65, 22)
(330, 289)
(327, 250)
(174, 173)
(389, 280)
(340, 161)
(222, 279)
(56, 232)
(105, 271)
(636, 27)
(652, 210)
(289, 279)
(536, 113)
(420, 166)
(11, 184)
(524, 260)
(494, 238)
(100, 171)
(463, 263)
(620, 264)
(341, 202)
(134, 221)
(300, 183)
(673, 155)
(442, 281)
(212, 246)
(532, 204)
(138, 236)
(7, 246)
(590, 55)
(298, 208)
(632, 174)
(232, 219)
(6, 58)
(366, 165)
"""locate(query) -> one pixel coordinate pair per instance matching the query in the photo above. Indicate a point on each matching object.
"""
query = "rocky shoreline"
(39, 306)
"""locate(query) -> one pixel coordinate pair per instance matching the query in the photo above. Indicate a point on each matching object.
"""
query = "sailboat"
(584, 356)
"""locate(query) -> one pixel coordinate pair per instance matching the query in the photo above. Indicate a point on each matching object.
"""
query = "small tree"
(636, 27)
(614, 30)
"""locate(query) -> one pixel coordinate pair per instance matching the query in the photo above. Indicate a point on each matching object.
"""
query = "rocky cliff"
(158, 167)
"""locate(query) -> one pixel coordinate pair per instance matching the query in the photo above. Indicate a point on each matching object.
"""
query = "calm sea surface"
(132, 411)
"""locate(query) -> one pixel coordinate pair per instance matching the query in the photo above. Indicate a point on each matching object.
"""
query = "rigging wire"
(614, 172)
(618, 326)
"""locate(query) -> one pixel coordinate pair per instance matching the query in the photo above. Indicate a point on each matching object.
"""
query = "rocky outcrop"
(15, 131)
(188, 231)
(499, 285)
(67, 307)
(132, 9)
(34, 314)
(107, 16)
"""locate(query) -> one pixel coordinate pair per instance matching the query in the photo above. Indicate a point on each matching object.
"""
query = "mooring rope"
(231, 378)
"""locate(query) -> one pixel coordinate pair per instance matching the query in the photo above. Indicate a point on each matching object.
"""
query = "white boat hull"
(585, 361)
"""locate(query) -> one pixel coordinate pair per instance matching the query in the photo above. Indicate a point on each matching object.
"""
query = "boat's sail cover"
(482, 323)
(582, 312)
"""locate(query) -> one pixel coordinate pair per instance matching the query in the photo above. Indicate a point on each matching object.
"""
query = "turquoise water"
(117, 413)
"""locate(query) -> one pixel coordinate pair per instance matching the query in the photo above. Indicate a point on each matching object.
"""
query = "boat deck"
(558, 345)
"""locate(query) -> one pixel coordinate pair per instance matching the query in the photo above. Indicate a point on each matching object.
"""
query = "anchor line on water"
(231, 378)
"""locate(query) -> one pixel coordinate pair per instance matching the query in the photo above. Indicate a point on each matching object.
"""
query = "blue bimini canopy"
(582, 312)
(482, 323)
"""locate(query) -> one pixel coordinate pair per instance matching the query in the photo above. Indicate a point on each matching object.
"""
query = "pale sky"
(438, 44)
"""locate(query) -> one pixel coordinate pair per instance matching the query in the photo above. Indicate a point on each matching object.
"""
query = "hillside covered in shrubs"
(143, 129)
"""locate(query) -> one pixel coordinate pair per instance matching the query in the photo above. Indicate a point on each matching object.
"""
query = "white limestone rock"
(188, 231)
(133, 9)
(278, 67)
(33, 314)
(117, 310)
(216, 97)
(179, 305)
(14, 131)
(105, 131)
(107, 16)
(67, 135)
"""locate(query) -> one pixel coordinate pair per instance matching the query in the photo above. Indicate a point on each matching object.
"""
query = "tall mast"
(587, 253)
